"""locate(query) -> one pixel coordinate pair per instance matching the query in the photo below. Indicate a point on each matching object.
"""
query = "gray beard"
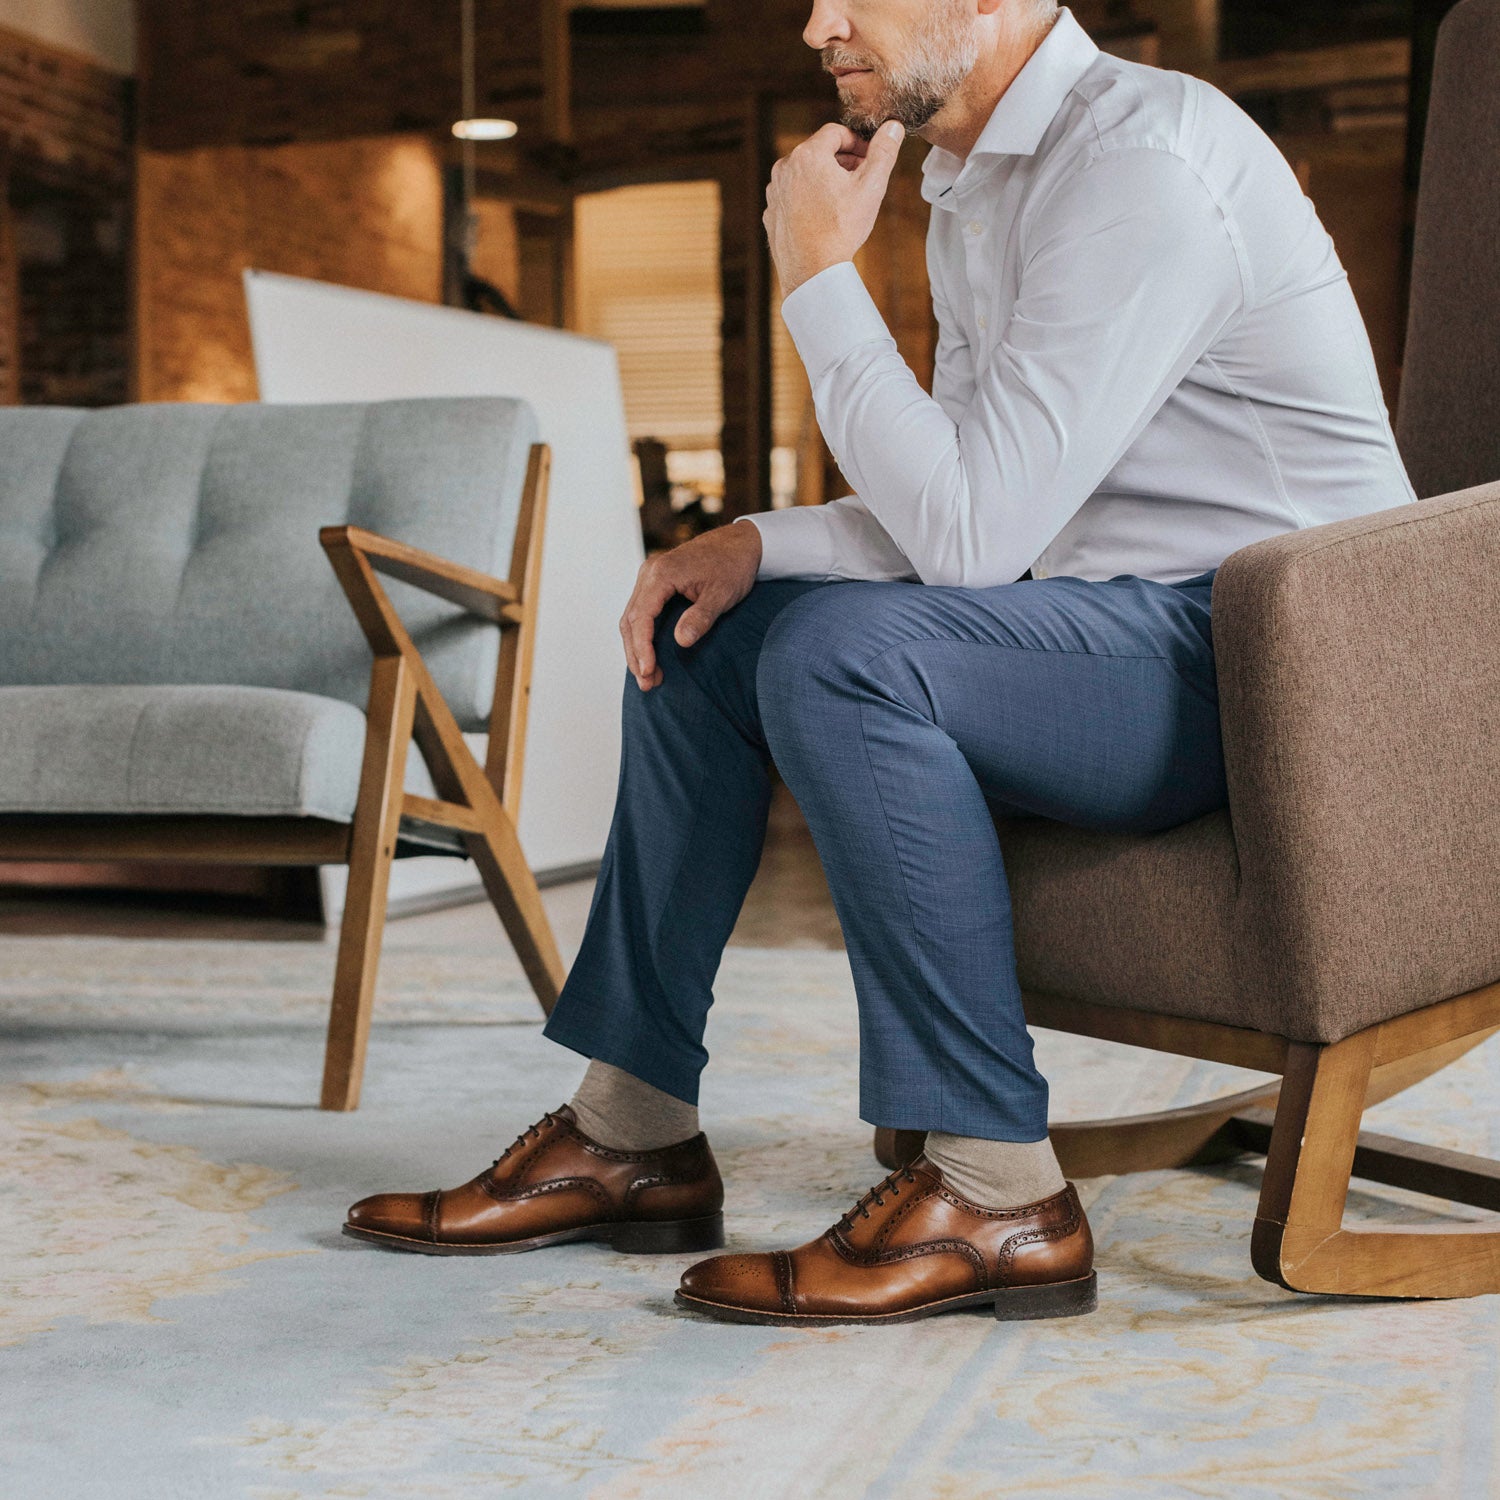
(914, 107)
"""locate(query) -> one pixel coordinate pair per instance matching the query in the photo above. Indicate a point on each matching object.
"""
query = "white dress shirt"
(1148, 352)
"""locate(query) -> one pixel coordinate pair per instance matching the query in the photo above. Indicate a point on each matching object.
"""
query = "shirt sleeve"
(953, 376)
(1129, 274)
(838, 540)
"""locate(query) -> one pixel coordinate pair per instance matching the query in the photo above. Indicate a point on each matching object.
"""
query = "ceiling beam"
(557, 69)
(214, 73)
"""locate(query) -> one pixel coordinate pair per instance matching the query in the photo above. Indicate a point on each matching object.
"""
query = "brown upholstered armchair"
(1339, 924)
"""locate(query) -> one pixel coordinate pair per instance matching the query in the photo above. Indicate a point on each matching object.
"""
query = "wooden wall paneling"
(544, 264)
(745, 348)
(1188, 29)
(497, 247)
(557, 69)
(281, 70)
(10, 294)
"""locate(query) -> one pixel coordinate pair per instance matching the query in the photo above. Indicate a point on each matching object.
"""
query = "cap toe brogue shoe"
(553, 1186)
(910, 1248)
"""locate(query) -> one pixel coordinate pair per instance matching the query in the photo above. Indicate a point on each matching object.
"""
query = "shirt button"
(984, 322)
(974, 227)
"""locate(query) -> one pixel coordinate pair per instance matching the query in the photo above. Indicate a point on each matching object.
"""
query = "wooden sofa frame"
(478, 804)
(1307, 1127)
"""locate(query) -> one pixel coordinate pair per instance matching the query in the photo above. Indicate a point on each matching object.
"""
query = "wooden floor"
(788, 907)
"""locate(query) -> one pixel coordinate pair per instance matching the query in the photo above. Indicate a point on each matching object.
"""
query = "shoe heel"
(672, 1237)
(1062, 1299)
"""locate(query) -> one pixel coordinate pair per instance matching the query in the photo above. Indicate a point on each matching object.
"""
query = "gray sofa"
(182, 675)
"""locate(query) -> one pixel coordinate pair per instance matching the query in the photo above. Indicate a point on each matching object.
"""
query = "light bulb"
(484, 130)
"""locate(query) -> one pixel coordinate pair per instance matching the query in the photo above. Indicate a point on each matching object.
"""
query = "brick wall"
(65, 174)
(64, 118)
(366, 213)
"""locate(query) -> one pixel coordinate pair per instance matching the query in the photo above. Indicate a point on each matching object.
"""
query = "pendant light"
(472, 291)
(473, 127)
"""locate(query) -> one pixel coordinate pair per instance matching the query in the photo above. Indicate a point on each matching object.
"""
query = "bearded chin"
(913, 107)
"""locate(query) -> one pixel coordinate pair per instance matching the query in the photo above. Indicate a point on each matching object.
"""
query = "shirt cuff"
(794, 543)
(830, 315)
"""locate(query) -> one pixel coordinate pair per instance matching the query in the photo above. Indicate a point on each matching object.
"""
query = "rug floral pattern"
(180, 1316)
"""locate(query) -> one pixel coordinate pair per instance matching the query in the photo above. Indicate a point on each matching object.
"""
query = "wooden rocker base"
(1307, 1127)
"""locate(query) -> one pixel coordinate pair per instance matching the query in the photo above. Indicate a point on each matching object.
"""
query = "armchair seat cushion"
(1142, 922)
(261, 752)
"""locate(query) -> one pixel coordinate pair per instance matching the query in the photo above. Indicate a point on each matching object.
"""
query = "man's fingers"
(834, 138)
(643, 643)
(626, 643)
(638, 627)
(630, 636)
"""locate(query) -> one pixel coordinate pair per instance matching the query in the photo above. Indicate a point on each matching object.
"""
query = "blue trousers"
(901, 717)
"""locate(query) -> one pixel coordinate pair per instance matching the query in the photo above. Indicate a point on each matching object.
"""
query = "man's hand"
(715, 571)
(823, 199)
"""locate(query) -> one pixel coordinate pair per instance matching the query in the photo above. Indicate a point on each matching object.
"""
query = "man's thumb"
(695, 623)
(885, 148)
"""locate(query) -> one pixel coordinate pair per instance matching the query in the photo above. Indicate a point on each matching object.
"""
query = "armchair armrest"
(1359, 680)
(358, 555)
(479, 593)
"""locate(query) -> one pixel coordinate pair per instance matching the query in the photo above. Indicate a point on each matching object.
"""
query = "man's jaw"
(856, 83)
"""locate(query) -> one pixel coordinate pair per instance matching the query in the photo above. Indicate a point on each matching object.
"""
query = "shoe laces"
(531, 1133)
(876, 1195)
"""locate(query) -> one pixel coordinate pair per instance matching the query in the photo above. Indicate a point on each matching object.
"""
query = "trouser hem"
(671, 1074)
(1015, 1129)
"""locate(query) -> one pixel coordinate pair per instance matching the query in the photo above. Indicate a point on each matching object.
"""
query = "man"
(1148, 358)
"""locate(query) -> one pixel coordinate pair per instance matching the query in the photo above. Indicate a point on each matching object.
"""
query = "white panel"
(316, 342)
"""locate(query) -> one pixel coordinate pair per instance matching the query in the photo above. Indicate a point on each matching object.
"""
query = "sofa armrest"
(1359, 679)
(479, 593)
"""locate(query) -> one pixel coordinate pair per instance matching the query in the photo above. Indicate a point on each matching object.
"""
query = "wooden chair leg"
(1300, 1240)
(377, 819)
(513, 892)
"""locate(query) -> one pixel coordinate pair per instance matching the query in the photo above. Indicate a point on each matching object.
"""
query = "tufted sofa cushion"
(201, 751)
(177, 544)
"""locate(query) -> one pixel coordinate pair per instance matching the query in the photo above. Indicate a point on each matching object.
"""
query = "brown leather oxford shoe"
(553, 1186)
(911, 1247)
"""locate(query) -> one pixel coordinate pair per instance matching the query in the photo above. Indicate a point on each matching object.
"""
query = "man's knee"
(716, 655)
(719, 667)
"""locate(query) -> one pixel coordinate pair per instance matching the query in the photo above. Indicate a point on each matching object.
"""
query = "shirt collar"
(1026, 108)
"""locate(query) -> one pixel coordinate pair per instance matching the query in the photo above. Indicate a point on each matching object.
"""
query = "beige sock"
(618, 1110)
(996, 1174)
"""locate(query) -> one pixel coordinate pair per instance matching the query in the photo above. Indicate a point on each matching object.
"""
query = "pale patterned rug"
(181, 1317)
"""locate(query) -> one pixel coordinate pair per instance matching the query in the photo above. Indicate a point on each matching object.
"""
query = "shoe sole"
(1058, 1299)
(675, 1236)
